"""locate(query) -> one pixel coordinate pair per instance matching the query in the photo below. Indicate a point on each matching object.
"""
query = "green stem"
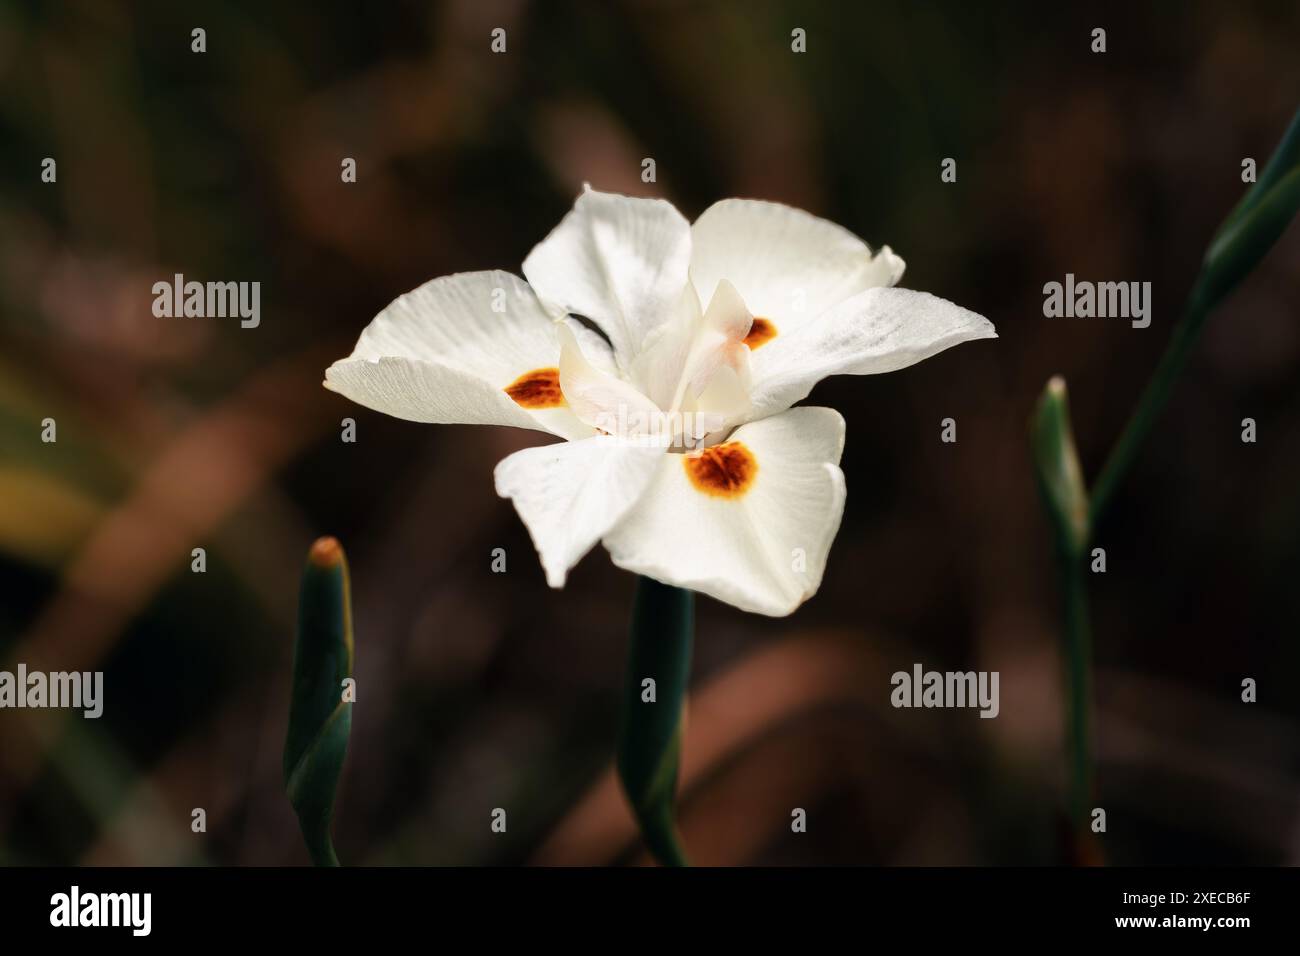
(1078, 666)
(659, 651)
(661, 839)
(1240, 243)
(321, 850)
(1065, 498)
(320, 715)
(1154, 398)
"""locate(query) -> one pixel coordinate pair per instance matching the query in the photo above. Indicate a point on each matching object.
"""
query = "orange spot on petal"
(539, 388)
(760, 333)
(723, 471)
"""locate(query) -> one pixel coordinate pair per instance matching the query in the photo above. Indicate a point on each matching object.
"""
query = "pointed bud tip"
(326, 552)
(1056, 386)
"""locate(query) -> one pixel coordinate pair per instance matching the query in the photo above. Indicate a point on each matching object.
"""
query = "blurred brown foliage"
(479, 690)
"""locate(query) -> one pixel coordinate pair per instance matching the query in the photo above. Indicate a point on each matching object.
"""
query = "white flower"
(682, 453)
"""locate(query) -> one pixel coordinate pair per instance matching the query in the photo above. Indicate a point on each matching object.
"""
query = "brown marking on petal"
(760, 333)
(723, 471)
(539, 388)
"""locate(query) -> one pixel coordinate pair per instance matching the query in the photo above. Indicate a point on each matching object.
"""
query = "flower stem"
(1241, 242)
(320, 714)
(1065, 496)
(658, 669)
(321, 849)
(1078, 669)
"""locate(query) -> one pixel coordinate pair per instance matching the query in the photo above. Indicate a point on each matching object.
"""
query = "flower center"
(723, 471)
(539, 388)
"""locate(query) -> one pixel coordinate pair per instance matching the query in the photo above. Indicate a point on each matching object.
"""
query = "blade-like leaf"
(1247, 237)
(663, 627)
(1284, 159)
(319, 718)
(1060, 478)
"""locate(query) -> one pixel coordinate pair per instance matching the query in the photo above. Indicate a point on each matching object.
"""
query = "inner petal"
(539, 388)
(718, 342)
(605, 402)
(723, 471)
(723, 404)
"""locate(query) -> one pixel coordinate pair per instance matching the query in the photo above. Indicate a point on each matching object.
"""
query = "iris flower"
(668, 356)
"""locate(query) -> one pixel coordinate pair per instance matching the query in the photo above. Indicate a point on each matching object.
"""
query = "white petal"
(595, 347)
(421, 391)
(657, 367)
(788, 265)
(720, 340)
(723, 404)
(620, 262)
(680, 359)
(490, 324)
(570, 493)
(879, 330)
(600, 399)
(447, 351)
(762, 549)
(727, 317)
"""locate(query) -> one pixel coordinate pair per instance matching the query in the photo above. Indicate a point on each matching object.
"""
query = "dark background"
(479, 690)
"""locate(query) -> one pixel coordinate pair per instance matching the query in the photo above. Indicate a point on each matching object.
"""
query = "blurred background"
(479, 690)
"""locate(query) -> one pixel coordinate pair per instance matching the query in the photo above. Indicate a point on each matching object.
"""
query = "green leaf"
(1284, 159)
(1243, 242)
(1056, 462)
(1065, 495)
(663, 627)
(320, 721)
(1255, 224)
